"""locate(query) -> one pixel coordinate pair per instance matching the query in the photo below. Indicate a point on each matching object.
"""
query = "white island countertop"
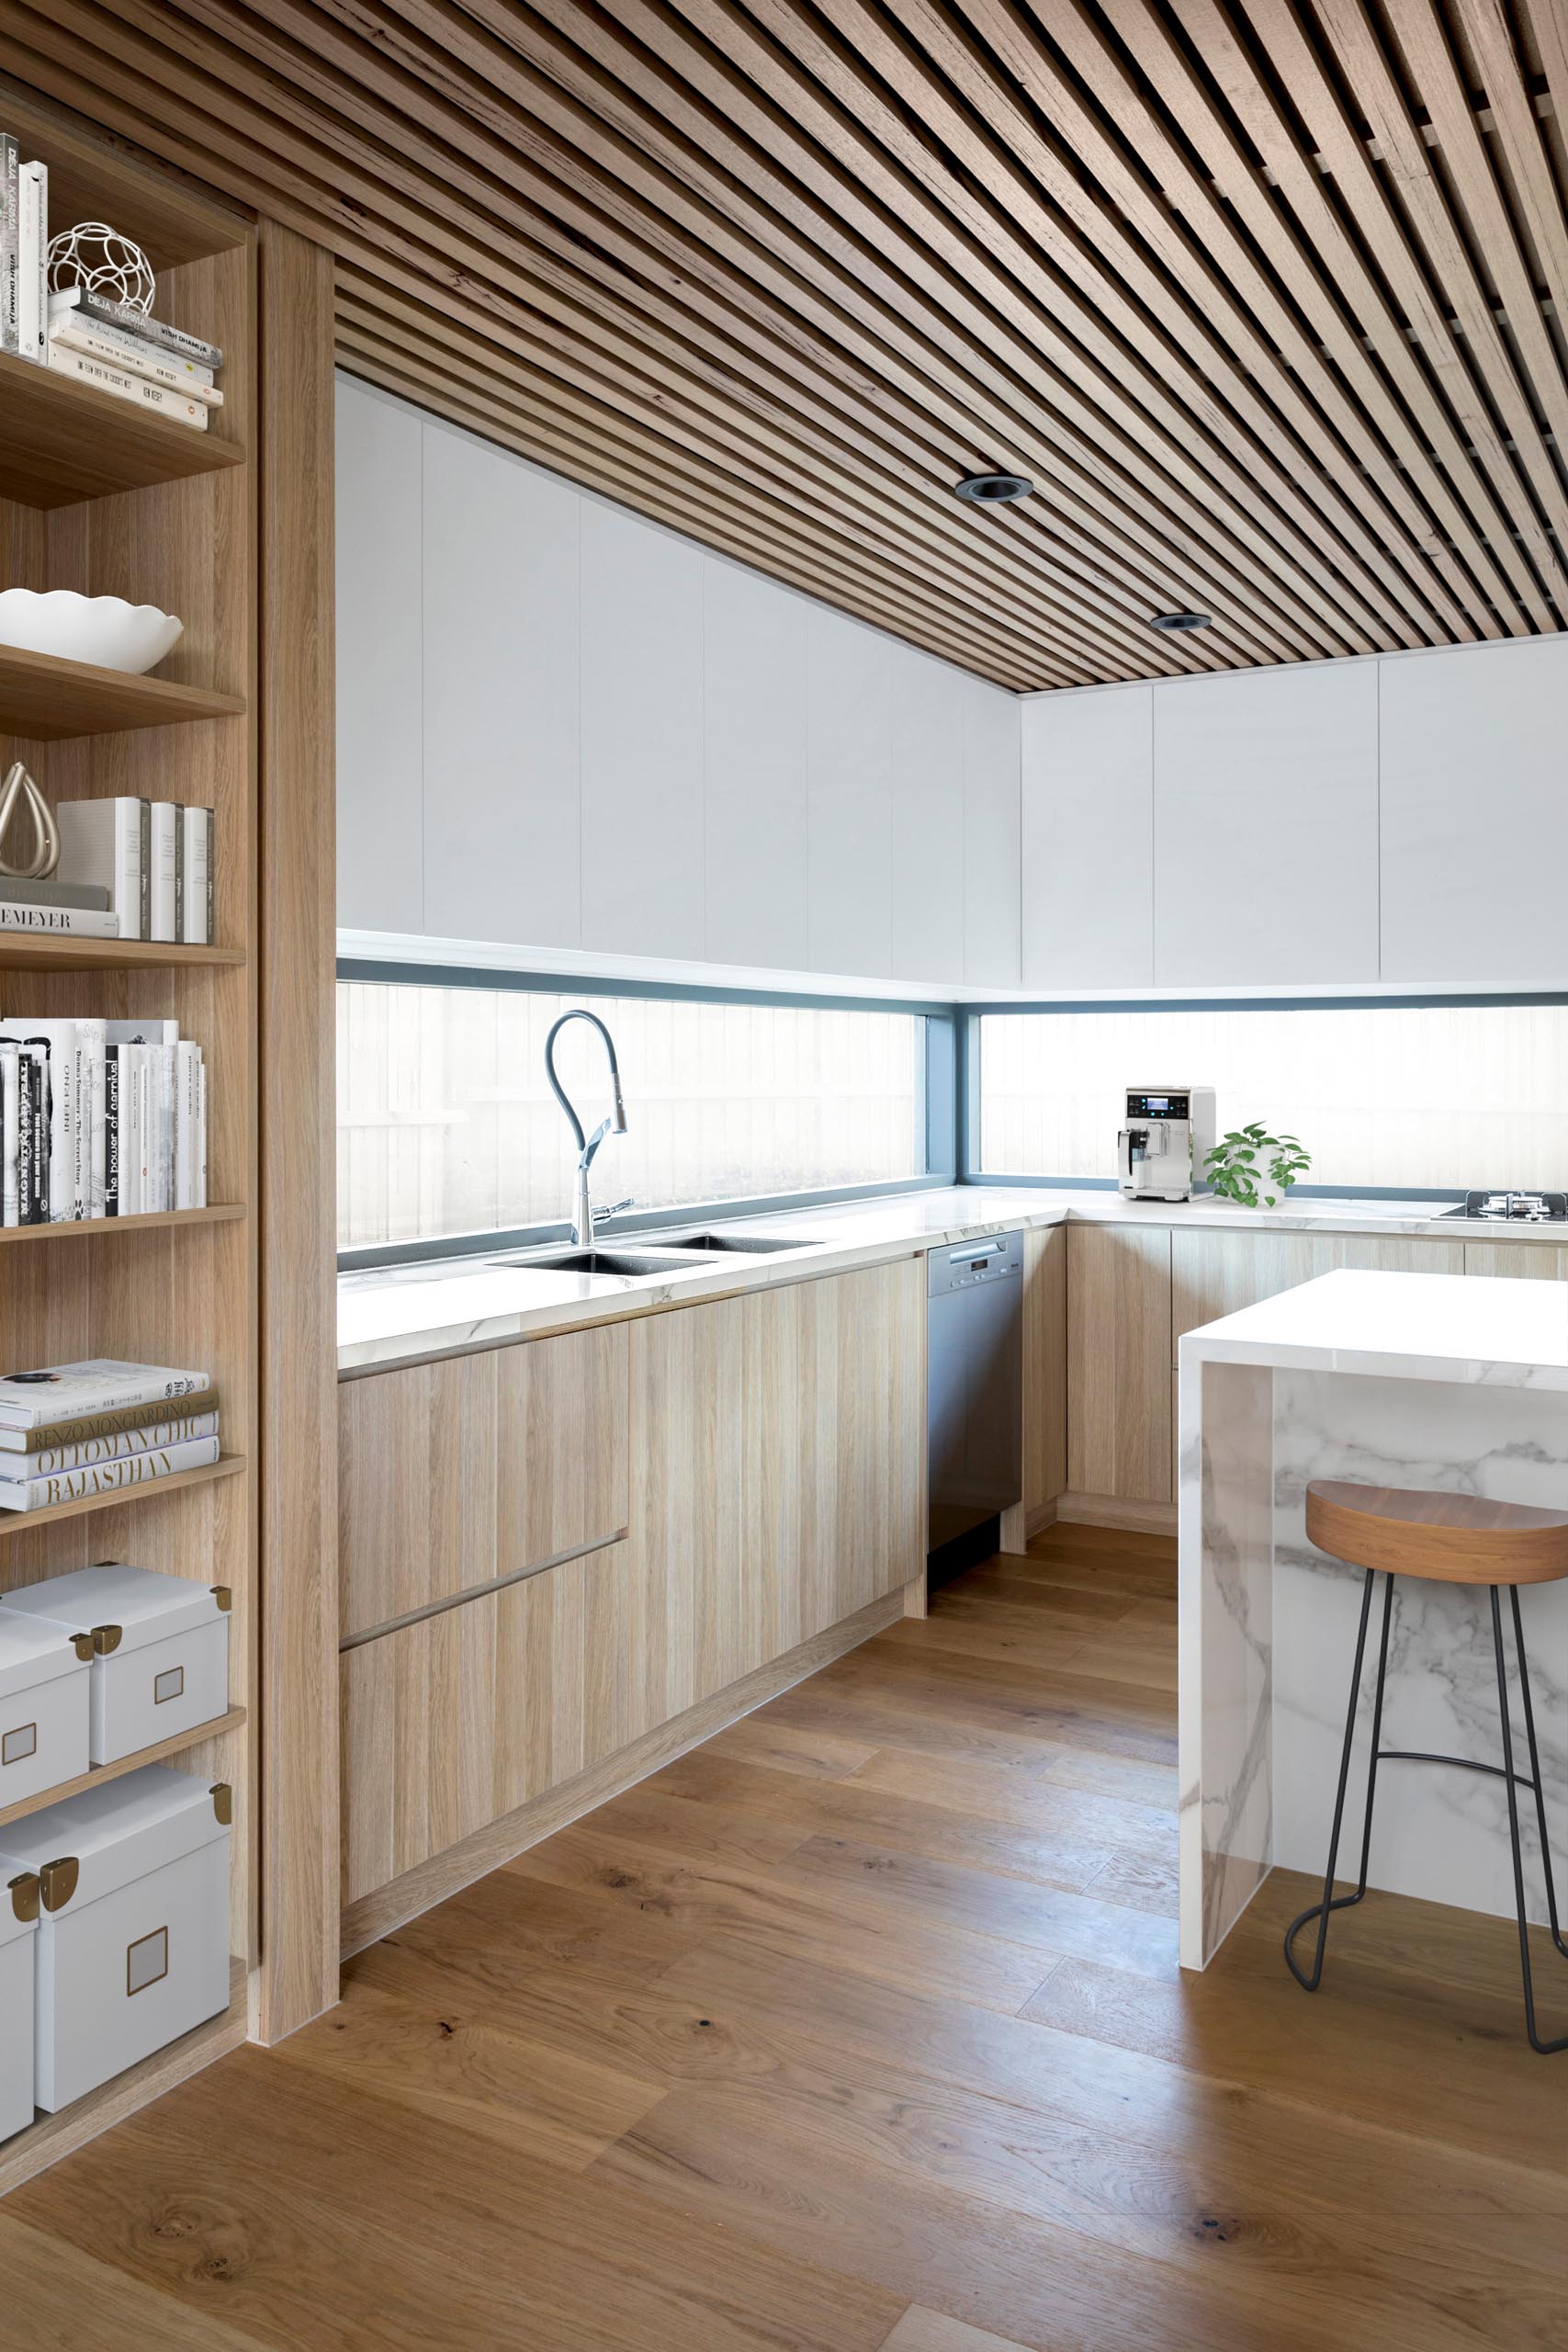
(1486, 1331)
(396, 1315)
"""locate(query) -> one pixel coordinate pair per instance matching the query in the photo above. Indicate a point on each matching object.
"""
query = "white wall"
(561, 728)
(1395, 821)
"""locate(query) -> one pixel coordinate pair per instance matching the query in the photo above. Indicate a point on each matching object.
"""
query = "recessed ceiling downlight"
(993, 489)
(1180, 620)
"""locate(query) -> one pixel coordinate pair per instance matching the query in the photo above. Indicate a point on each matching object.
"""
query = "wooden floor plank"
(857, 2029)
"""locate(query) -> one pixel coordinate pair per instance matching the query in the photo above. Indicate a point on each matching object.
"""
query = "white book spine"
(166, 824)
(70, 328)
(78, 1453)
(202, 1135)
(133, 1138)
(126, 344)
(10, 166)
(163, 1095)
(32, 248)
(187, 1119)
(10, 1079)
(126, 387)
(107, 1477)
(73, 922)
(93, 1035)
(198, 831)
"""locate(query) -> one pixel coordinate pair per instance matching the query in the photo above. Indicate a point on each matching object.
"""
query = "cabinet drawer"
(452, 1475)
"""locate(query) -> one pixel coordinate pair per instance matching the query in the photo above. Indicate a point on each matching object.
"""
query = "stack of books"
(24, 254)
(99, 1118)
(148, 865)
(79, 1429)
(137, 358)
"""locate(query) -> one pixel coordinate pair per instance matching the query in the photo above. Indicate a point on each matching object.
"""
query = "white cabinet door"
(1266, 827)
(642, 738)
(502, 816)
(849, 710)
(379, 830)
(1087, 852)
(1475, 745)
(754, 702)
(928, 818)
(992, 894)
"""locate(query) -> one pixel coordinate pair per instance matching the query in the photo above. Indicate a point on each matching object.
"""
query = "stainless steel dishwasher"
(974, 1395)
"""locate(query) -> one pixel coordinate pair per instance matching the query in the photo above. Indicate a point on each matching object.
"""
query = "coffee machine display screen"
(1157, 1106)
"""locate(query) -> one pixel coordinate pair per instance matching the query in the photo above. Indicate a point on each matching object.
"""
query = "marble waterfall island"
(1455, 1381)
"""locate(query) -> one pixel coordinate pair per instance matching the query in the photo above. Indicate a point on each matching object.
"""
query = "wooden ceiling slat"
(1409, 160)
(927, 309)
(1124, 516)
(1052, 265)
(1492, 475)
(1269, 297)
(1265, 326)
(1062, 601)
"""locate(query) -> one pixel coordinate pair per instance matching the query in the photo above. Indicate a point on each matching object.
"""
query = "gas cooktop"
(1514, 1208)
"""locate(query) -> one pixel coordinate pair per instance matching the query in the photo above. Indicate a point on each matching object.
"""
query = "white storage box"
(44, 1682)
(160, 1659)
(132, 1943)
(18, 1928)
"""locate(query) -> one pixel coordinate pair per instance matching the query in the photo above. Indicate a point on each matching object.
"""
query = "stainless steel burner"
(1514, 1208)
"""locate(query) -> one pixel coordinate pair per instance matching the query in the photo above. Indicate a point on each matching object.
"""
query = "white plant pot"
(104, 630)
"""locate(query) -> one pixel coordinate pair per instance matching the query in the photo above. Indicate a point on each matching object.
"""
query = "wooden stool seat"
(1459, 1539)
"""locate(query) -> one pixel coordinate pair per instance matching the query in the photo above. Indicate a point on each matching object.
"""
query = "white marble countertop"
(1484, 1330)
(394, 1314)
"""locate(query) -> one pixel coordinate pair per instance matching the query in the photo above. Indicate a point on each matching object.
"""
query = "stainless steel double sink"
(686, 1254)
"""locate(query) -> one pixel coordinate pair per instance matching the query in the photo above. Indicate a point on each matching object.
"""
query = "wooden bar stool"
(1456, 1539)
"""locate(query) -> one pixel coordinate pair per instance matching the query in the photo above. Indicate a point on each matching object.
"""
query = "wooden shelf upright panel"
(138, 516)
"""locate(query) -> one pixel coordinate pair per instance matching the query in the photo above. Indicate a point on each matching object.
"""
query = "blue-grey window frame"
(969, 1075)
(937, 1049)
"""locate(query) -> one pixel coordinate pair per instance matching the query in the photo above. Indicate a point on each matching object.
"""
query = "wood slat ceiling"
(1269, 301)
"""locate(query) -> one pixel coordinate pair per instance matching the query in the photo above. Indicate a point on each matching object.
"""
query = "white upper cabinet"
(926, 819)
(502, 821)
(1475, 816)
(991, 836)
(642, 738)
(380, 871)
(755, 790)
(849, 707)
(1088, 858)
(1266, 827)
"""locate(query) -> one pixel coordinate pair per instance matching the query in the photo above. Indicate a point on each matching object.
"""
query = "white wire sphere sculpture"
(98, 258)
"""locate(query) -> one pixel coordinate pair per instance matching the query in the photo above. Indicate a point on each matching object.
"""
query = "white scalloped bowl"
(104, 630)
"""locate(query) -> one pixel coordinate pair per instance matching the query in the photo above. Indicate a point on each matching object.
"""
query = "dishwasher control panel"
(973, 1264)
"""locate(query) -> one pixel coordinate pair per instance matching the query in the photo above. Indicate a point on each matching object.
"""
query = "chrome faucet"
(615, 1124)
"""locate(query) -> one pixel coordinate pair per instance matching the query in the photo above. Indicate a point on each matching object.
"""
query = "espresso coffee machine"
(1162, 1151)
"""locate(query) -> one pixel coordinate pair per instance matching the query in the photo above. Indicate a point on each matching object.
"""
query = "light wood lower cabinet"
(1044, 1365)
(1216, 1274)
(765, 1456)
(454, 1474)
(1525, 1260)
(1119, 1353)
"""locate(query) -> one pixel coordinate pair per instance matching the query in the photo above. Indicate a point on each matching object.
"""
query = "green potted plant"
(1255, 1169)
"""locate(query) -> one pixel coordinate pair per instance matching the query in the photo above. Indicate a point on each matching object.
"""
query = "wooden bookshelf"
(29, 1522)
(161, 1752)
(98, 497)
(23, 951)
(90, 1228)
(64, 441)
(48, 699)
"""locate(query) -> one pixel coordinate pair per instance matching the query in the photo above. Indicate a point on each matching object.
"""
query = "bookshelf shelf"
(27, 951)
(48, 699)
(53, 2136)
(27, 1523)
(101, 1774)
(64, 441)
(87, 1229)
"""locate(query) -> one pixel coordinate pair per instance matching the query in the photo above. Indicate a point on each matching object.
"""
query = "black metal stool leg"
(1545, 2048)
(1331, 1902)
(1535, 1772)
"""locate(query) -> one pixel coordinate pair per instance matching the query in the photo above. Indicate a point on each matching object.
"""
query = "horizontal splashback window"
(447, 1124)
(1430, 1097)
